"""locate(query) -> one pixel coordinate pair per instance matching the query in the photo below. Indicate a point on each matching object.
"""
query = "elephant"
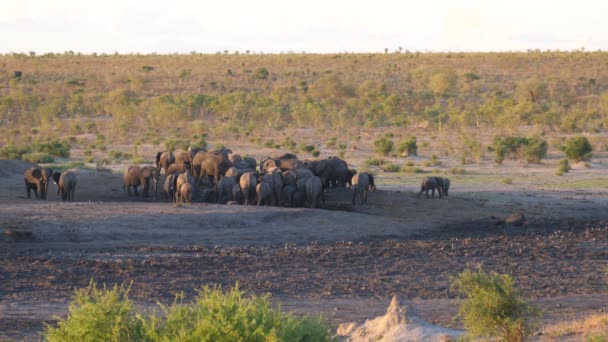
(169, 186)
(135, 176)
(445, 185)
(302, 173)
(264, 193)
(430, 184)
(299, 198)
(314, 191)
(288, 192)
(183, 178)
(236, 172)
(163, 160)
(251, 162)
(214, 166)
(183, 157)
(193, 150)
(176, 167)
(224, 189)
(236, 193)
(37, 179)
(286, 161)
(235, 158)
(275, 180)
(66, 184)
(362, 183)
(336, 172)
(318, 167)
(289, 177)
(267, 163)
(184, 193)
(248, 184)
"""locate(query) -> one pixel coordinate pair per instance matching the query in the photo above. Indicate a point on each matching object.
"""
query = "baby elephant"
(362, 183)
(430, 184)
(184, 193)
(66, 184)
(445, 185)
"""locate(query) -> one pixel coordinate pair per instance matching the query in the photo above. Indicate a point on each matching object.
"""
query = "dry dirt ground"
(344, 262)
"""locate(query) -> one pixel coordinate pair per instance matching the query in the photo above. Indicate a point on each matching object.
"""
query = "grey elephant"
(362, 183)
(37, 179)
(445, 185)
(314, 191)
(237, 196)
(263, 192)
(287, 193)
(430, 184)
(275, 180)
(248, 183)
(224, 189)
(251, 162)
(66, 184)
(145, 176)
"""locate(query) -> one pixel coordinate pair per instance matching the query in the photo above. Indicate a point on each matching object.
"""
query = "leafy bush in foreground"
(108, 315)
(578, 148)
(493, 307)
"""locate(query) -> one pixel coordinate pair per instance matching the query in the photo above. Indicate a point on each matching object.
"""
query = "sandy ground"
(344, 262)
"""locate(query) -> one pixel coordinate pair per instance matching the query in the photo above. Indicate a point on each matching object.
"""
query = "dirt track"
(398, 244)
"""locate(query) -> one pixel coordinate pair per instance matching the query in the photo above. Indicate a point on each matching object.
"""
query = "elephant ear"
(37, 173)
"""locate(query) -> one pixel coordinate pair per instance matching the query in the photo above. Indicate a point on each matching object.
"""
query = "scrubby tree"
(578, 148)
(384, 145)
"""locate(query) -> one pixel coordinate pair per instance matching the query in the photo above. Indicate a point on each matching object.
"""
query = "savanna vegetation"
(153, 98)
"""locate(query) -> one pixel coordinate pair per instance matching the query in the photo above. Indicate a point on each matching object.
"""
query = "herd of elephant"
(225, 177)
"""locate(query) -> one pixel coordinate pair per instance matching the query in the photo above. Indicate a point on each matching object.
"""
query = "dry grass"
(594, 325)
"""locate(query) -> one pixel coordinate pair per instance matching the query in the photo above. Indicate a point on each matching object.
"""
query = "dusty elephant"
(66, 184)
(275, 180)
(164, 160)
(336, 172)
(175, 167)
(184, 193)
(135, 176)
(314, 191)
(169, 186)
(248, 184)
(37, 179)
(264, 193)
(362, 183)
(430, 184)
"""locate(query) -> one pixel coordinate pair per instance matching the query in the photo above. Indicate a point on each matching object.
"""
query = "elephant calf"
(66, 184)
(431, 184)
(184, 193)
(362, 183)
(264, 193)
(37, 179)
(314, 191)
(445, 185)
(224, 189)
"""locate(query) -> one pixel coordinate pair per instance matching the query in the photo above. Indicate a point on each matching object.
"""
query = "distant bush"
(38, 157)
(375, 162)
(408, 146)
(12, 151)
(457, 171)
(411, 169)
(507, 181)
(533, 149)
(262, 74)
(289, 144)
(384, 145)
(493, 307)
(332, 142)
(108, 315)
(115, 154)
(270, 143)
(174, 143)
(578, 148)
(433, 162)
(563, 167)
(54, 147)
(307, 148)
(315, 153)
(390, 167)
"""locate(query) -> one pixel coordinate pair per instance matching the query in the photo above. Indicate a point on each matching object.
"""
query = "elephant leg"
(354, 194)
(323, 198)
(365, 196)
(28, 189)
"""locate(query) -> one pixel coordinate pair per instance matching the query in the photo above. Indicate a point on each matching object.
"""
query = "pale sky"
(324, 26)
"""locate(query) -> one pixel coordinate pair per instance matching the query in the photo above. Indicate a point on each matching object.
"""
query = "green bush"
(535, 150)
(113, 154)
(38, 157)
(98, 315)
(108, 315)
(390, 167)
(411, 169)
(457, 171)
(578, 148)
(563, 167)
(54, 147)
(510, 147)
(408, 146)
(375, 162)
(315, 153)
(307, 148)
(493, 307)
(289, 144)
(12, 151)
(384, 145)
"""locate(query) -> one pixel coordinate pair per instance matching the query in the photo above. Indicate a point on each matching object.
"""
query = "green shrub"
(535, 150)
(384, 145)
(108, 315)
(98, 315)
(408, 146)
(315, 153)
(375, 162)
(563, 167)
(113, 154)
(307, 148)
(409, 163)
(390, 167)
(411, 169)
(54, 147)
(12, 151)
(332, 142)
(269, 143)
(578, 148)
(172, 144)
(38, 157)
(510, 147)
(457, 171)
(493, 307)
(289, 144)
